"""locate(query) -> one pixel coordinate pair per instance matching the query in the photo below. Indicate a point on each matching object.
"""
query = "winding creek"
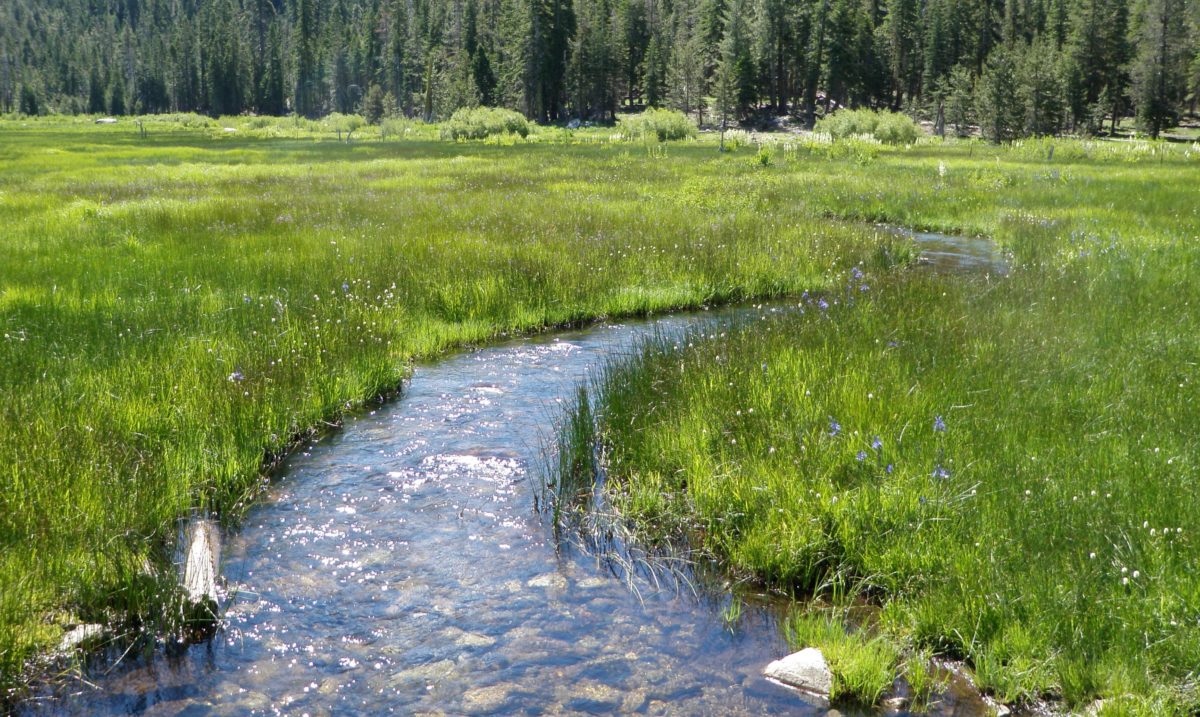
(397, 567)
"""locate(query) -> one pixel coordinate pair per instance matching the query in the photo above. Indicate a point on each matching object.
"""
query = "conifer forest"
(1014, 67)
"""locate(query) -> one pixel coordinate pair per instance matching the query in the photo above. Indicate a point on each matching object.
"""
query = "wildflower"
(822, 305)
(862, 456)
(864, 287)
(236, 376)
(1091, 556)
(940, 472)
(856, 272)
(877, 443)
(939, 426)
(834, 427)
(890, 467)
(345, 287)
(1137, 574)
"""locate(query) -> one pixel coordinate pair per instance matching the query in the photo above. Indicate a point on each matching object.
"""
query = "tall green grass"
(1006, 466)
(176, 307)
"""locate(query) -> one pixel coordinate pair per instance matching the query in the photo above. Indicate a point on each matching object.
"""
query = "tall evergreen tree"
(309, 78)
(1159, 72)
(96, 103)
(687, 68)
(997, 101)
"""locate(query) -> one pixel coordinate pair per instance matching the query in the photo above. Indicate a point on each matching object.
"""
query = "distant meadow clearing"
(178, 306)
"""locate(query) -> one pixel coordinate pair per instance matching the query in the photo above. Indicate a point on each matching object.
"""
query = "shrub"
(481, 122)
(657, 124)
(887, 127)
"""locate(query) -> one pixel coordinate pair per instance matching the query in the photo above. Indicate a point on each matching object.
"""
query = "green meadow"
(179, 306)
(1004, 466)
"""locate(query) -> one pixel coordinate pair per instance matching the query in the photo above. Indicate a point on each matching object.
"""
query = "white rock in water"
(806, 670)
(549, 580)
(81, 636)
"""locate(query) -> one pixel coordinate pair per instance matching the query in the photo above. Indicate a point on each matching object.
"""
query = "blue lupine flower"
(822, 304)
(834, 427)
(864, 287)
(236, 376)
(856, 273)
(877, 443)
(939, 426)
(921, 500)
(345, 287)
(940, 472)
(890, 467)
(862, 456)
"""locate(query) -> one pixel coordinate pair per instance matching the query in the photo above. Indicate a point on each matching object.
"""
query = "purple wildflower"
(877, 443)
(862, 456)
(834, 427)
(939, 426)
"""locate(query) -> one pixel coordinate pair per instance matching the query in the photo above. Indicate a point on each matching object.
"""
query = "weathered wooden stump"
(201, 570)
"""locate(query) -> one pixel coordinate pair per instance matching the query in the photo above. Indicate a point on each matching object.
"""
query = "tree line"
(1011, 67)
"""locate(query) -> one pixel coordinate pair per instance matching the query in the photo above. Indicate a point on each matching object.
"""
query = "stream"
(396, 566)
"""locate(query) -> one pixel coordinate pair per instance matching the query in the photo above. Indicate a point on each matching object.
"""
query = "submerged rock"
(549, 580)
(805, 670)
(485, 699)
(82, 637)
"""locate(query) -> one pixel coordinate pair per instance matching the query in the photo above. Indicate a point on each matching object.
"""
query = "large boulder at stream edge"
(805, 670)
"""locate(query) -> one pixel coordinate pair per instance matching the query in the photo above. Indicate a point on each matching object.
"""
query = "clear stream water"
(397, 566)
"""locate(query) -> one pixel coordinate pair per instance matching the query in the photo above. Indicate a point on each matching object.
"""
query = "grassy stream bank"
(1006, 466)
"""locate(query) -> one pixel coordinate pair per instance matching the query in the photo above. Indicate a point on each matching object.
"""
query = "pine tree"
(687, 67)
(1041, 88)
(1097, 53)
(997, 105)
(309, 80)
(29, 101)
(959, 97)
(654, 76)
(901, 34)
(95, 93)
(373, 108)
(116, 96)
(1159, 72)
